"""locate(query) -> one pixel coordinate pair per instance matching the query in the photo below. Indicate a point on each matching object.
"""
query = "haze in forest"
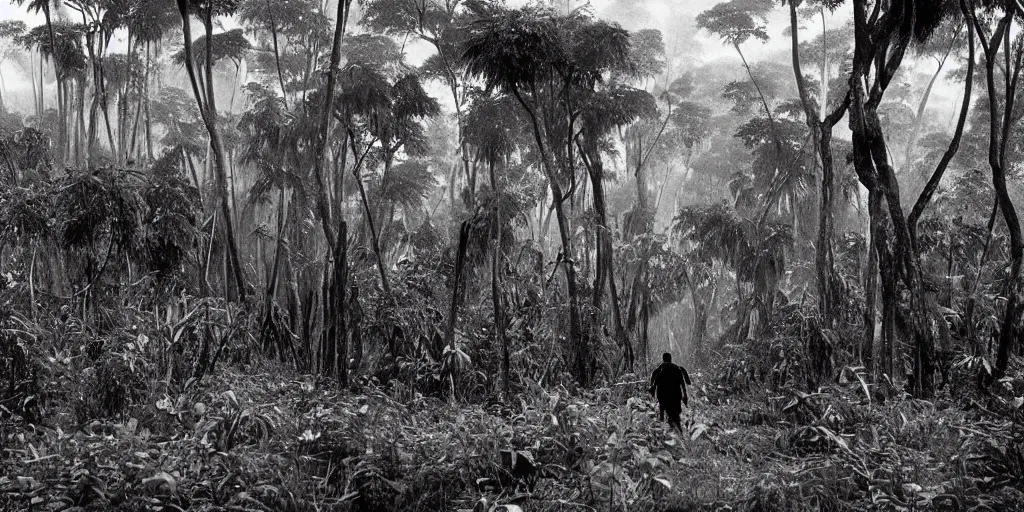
(491, 256)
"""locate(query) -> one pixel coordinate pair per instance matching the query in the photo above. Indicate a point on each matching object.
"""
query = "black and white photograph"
(511, 255)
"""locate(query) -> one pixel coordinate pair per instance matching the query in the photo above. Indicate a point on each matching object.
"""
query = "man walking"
(669, 384)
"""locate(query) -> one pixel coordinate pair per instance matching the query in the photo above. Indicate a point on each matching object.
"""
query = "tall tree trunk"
(578, 343)
(209, 115)
(823, 102)
(149, 123)
(496, 294)
(337, 242)
(80, 147)
(577, 338)
(878, 52)
(821, 132)
(460, 263)
(337, 330)
(32, 80)
(62, 133)
(871, 298)
(1000, 129)
(374, 235)
(605, 256)
(277, 62)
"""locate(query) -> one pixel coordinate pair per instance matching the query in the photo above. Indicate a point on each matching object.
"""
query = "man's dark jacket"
(669, 382)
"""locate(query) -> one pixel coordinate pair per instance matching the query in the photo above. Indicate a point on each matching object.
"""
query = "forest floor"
(268, 439)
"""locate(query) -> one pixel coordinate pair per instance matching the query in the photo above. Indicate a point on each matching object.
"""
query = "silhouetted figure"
(669, 384)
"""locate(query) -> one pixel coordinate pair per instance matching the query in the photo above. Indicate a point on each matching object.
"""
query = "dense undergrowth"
(138, 418)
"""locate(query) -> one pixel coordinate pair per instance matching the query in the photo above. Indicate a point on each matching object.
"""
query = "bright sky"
(673, 17)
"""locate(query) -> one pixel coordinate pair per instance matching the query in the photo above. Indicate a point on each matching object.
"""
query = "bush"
(116, 382)
(20, 390)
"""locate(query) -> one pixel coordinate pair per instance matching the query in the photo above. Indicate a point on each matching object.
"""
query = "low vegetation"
(374, 255)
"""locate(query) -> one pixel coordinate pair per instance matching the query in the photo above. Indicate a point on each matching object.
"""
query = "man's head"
(666, 357)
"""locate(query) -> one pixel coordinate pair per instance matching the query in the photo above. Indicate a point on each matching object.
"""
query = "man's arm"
(654, 380)
(685, 381)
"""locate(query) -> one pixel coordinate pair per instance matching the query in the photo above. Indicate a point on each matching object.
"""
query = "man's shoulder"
(668, 369)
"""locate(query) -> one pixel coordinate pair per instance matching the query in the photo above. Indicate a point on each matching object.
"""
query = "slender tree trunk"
(923, 104)
(81, 151)
(460, 263)
(871, 299)
(821, 132)
(62, 134)
(496, 294)
(32, 80)
(102, 84)
(42, 90)
(576, 336)
(91, 137)
(954, 144)
(577, 340)
(823, 102)
(277, 62)
(374, 237)
(336, 330)
(605, 256)
(764, 101)
(209, 115)
(337, 242)
(149, 123)
(3, 86)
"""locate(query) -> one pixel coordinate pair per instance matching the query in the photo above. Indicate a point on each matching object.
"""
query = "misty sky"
(674, 18)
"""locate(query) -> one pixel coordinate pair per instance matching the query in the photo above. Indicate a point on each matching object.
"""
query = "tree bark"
(1000, 125)
(496, 294)
(878, 51)
(577, 342)
(871, 299)
(336, 241)
(605, 256)
(209, 115)
(821, 132)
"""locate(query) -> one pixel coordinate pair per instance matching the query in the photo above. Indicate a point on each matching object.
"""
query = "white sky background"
(674, 18)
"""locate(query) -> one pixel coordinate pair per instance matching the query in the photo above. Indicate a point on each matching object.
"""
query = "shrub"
(20, 390)
(116, 382)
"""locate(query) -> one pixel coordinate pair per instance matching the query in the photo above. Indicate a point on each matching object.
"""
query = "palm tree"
(550, 64)
(44, 6)
(149, 21)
